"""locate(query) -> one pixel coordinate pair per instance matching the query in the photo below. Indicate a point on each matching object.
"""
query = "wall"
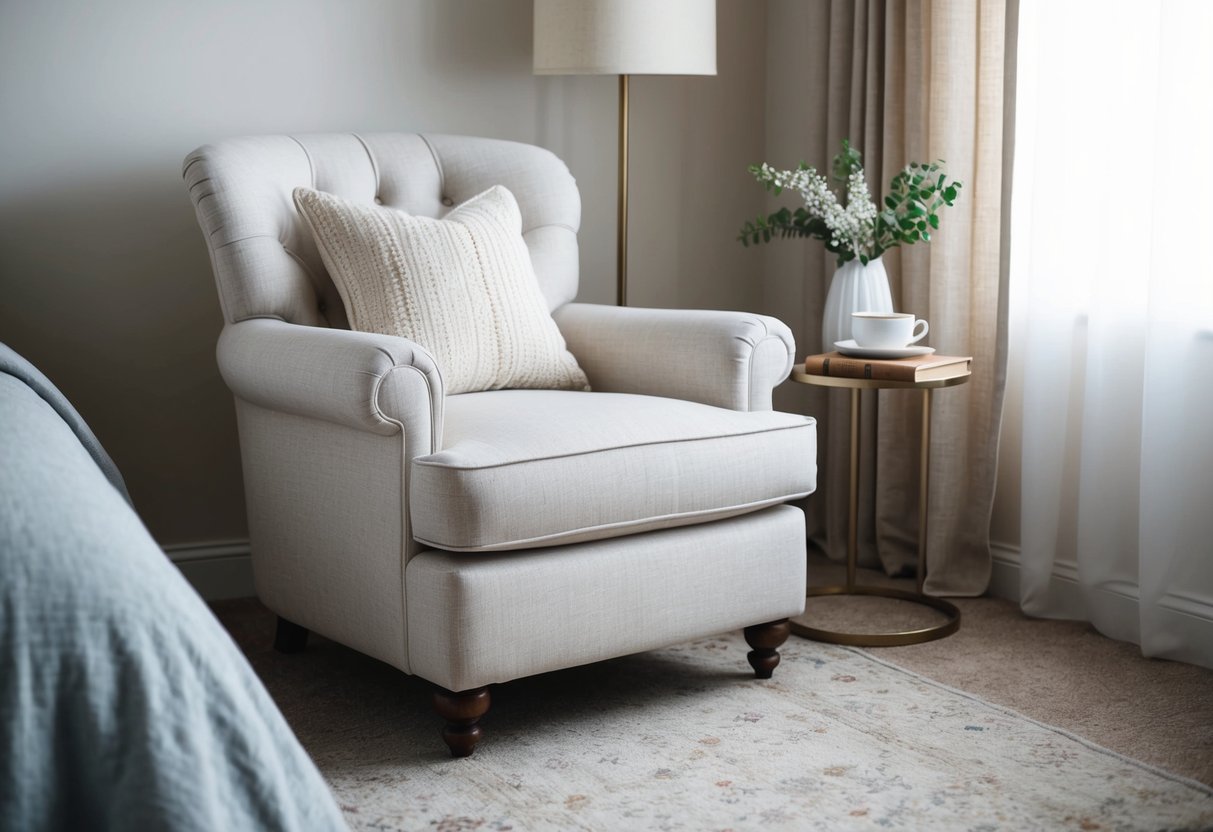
(798, 48)
(104, 277)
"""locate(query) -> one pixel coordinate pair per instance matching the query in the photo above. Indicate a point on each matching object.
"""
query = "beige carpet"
(1060, 672)
(685, 738)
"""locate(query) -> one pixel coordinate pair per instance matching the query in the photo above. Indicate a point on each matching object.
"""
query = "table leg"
(853, 516)
(952, 621)
(924, 486)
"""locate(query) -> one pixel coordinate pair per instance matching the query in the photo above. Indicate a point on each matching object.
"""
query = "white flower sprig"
(859, 228)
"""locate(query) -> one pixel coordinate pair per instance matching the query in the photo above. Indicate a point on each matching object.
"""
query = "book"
(917, 368)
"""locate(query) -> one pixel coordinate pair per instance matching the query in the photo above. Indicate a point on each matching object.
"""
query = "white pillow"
(463, 287)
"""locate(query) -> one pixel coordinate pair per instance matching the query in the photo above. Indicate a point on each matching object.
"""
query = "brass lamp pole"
(621, 230)
(624, 38)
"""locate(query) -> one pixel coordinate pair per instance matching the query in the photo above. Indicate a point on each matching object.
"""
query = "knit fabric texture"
(462, 286)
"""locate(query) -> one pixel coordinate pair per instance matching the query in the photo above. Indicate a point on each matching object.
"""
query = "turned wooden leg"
(765, 639)
(461, 712)
(290, 638)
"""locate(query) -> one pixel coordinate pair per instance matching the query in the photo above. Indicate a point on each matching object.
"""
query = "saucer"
(849, 347)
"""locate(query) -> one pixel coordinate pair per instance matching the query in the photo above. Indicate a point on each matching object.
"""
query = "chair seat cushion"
(527, 468)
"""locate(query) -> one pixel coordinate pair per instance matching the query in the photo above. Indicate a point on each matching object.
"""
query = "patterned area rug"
(685, 739)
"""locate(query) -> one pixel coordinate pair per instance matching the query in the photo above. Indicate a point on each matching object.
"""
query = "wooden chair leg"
(290, 637)
(461, 711)
(765, 639)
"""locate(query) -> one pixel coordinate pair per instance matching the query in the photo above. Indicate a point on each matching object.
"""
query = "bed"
(123, 702)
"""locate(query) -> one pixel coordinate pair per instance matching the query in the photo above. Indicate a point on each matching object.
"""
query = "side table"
(952, 624)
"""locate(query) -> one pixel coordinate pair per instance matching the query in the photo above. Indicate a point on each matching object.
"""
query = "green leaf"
(889, 201)
(933, 219)
(921, 226)
(926, 236)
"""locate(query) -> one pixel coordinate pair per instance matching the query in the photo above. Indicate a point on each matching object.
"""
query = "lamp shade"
(625, 37)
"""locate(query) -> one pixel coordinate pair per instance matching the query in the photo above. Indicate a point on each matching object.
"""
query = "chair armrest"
(726, 359)
(377, 383)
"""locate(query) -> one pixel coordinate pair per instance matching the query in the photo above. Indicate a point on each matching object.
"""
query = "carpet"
(685, 739)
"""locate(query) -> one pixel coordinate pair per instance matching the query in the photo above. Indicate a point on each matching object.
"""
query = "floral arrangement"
(859, 229)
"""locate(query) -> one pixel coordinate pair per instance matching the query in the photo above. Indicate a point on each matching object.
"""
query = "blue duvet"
(123, 703)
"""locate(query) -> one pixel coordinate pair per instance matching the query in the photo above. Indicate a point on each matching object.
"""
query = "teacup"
(886, 330)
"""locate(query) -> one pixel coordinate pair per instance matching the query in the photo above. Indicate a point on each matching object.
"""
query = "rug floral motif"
(686, 739)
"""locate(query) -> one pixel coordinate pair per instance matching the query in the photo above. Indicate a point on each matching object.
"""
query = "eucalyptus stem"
(856, 229)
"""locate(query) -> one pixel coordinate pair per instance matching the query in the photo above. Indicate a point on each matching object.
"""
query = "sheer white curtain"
(1112, 290)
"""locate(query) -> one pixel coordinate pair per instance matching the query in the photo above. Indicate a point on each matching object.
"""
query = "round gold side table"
(952, 623)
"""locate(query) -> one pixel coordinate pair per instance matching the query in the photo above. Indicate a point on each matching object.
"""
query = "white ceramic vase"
(855, 288)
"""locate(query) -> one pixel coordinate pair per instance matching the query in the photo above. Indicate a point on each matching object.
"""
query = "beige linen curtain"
(907, 81)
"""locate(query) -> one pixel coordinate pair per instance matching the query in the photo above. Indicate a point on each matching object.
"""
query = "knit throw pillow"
(462, 286)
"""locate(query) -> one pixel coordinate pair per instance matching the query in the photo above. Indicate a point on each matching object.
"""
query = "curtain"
(919, 80)
(1113, 293)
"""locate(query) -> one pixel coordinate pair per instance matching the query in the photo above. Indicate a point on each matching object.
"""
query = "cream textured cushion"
(462, 286)
(526, 468)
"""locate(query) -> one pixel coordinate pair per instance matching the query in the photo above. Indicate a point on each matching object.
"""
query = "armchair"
(477, 538)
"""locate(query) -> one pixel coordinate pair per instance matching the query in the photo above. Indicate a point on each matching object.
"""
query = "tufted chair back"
(264, 259)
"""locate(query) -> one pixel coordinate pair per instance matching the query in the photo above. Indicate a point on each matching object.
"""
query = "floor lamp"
(625, 37)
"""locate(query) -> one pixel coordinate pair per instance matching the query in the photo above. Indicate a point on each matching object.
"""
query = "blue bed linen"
(124, 704)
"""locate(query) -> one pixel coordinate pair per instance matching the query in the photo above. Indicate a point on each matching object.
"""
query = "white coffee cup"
(886, 330)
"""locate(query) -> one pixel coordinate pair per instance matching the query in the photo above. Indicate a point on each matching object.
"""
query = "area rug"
(686, 739)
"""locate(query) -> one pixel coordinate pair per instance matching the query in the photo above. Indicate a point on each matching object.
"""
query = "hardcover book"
(917, 368)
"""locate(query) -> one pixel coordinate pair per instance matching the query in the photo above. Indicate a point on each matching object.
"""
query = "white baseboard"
(1004, 577)
(218, 570)
(1004, 583)
(223, 569)
(1004, 571)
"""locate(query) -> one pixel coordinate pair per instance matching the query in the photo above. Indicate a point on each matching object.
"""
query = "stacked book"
(917, 368)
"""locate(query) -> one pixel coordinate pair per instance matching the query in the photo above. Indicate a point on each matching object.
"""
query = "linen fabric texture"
(725, 359)
(479, 619)
(265, 258)
(116, 682)
(600, 465)
(461, 286)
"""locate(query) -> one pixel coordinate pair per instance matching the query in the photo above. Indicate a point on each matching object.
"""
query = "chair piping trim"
(574, 535)
(310, 165)
(437, 163)
(753, 353)
(405, 530)
(808, 423)
(371, 157)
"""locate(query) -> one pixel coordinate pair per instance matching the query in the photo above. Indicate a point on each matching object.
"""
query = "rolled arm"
(377, 383)
(726, 359)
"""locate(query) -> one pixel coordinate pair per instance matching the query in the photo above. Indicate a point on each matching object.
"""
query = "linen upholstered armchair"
(476, 538)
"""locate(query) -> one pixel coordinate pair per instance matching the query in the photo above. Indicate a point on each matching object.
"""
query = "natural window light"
(1112, 309)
